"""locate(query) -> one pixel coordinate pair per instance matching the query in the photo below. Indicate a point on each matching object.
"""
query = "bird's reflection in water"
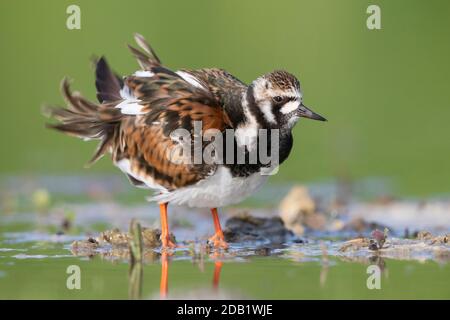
(216, 279)
(136, 276)
(164, 285)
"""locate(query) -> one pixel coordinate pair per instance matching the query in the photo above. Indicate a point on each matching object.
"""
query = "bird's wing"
(149, 140)
(215, 79)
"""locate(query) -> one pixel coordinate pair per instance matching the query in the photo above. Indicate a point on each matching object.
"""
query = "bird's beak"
(305, 112)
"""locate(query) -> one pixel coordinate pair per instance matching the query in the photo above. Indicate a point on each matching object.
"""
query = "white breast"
(218, 190)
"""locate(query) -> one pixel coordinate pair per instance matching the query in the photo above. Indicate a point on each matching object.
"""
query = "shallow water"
(35, 254)
(37, 270)
(34, 265)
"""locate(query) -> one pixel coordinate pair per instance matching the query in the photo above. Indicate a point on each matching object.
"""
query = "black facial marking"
(281, 118)
(254, 108)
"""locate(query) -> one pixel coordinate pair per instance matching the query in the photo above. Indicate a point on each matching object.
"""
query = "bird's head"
(275, 99)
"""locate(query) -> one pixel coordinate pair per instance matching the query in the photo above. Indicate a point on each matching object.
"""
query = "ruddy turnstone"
(137, 115)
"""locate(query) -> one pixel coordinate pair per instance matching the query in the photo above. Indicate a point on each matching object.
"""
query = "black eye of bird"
(277, 99)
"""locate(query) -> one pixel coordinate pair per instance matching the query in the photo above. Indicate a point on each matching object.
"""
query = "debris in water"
(298, 209)
(440, 239)
(426, 246)
(355, 244)
(245, 227)
(84, 247)
(375, 243)
(424, 235)
(152, 237)
(115, 237)
(120, 242)
(380, 237)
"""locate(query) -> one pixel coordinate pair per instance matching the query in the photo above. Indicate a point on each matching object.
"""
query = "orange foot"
(165, 234)
(167, 243)
(218, 240)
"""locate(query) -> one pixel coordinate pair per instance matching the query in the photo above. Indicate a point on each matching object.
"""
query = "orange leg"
(165, 235)
(216, 279)
(164, 286)
(217, 239)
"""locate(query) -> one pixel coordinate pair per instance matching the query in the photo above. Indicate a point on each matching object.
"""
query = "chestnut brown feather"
(169, 103)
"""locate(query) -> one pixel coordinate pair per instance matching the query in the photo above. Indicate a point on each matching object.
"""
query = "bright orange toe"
(167, 243)
(218, 241)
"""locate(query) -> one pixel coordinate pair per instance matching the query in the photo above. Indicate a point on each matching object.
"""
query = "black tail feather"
(108, 84)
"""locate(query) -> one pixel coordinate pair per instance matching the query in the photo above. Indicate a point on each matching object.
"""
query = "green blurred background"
(385, 92)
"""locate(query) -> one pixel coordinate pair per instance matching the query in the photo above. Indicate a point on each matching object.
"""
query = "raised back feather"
(146, 59)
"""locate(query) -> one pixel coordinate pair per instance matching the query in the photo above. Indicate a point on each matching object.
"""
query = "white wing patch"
(130, 107)
(190, 79)
(144, 74)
